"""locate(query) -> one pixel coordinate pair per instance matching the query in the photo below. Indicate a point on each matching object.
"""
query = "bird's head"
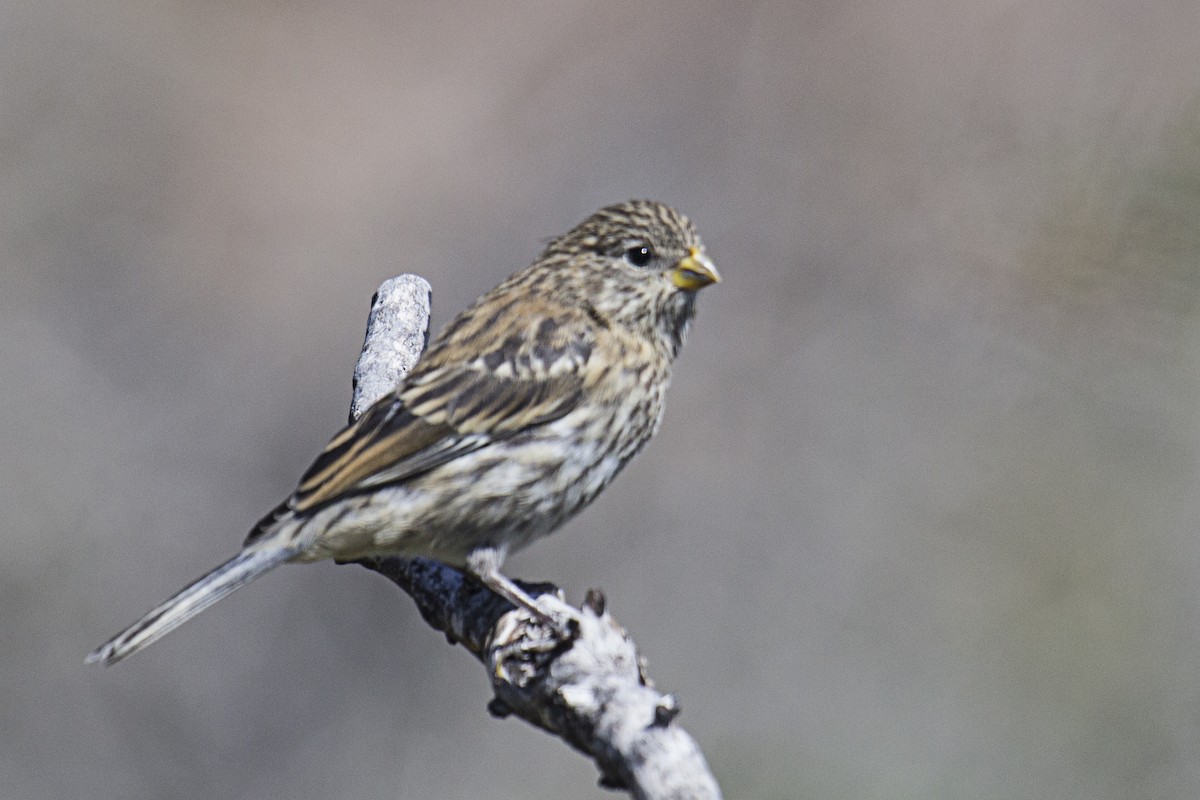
(638, 264)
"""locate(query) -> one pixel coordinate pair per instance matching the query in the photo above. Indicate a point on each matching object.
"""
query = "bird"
(513, 420)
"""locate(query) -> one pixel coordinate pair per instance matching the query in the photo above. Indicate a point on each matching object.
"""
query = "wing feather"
(445, 410)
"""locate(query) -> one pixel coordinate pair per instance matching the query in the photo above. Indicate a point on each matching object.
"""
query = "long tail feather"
(188, 602)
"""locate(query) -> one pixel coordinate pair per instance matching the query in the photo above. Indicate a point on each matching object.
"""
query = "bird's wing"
(451, 408)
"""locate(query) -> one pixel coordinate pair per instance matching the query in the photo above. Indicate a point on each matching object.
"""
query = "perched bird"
(515, 417)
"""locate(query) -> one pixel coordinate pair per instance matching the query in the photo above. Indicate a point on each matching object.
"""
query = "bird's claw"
(523, 638)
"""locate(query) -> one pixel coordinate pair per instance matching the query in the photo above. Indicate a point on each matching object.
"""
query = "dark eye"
(639, 255)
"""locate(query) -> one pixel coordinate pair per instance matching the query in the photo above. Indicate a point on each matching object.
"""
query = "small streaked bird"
(515, 417)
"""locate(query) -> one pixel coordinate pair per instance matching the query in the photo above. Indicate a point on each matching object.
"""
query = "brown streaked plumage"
(519, 413)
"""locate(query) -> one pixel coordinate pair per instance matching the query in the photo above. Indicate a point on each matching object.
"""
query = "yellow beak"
(694, 271)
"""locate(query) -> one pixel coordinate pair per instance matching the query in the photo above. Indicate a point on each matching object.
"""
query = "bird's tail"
(190, 601)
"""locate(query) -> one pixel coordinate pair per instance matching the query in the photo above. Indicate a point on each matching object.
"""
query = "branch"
(588, 689)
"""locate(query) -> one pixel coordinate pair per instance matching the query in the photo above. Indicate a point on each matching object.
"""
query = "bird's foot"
(548, 610)
(524, 639)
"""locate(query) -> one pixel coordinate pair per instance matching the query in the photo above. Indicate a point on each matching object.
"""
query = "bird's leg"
(483, 564)
(513, 643)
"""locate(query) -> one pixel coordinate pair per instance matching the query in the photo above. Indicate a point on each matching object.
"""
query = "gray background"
(922, 518)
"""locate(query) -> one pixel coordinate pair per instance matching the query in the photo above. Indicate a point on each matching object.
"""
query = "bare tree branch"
(588, 689)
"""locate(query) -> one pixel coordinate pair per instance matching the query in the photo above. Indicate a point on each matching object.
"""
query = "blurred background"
(922, 518)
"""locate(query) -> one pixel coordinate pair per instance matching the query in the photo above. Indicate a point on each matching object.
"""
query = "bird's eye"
(639, 255)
